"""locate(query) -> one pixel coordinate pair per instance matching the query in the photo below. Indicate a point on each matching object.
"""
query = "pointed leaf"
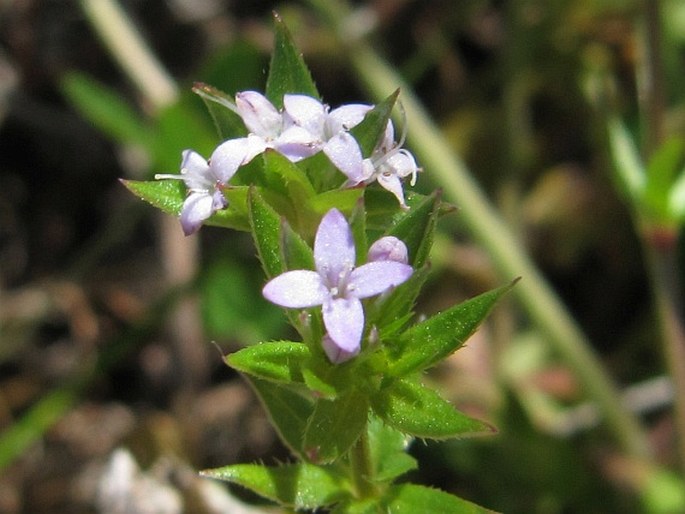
(266, 231)
(221, 107)
(417, 227)
(427, 343)
(372, 128)
(169, 195)
(287, 409)
(288, 72)
(335, 426)
(296, 252)
(416, 410)
(412, 498)
(280, 361)
(300, 486)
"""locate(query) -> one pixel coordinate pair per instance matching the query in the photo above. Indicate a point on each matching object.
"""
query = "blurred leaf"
(412, 498)
(280, 361)
(676, 198)
(287, 410)
(237, 67)
(288, 73)
(372, 128)
(300, 486)
(243, 314)
(387, 447)
(413, 409)
(105, 108)
(630, 172)
(335, 426)
(664, 493)
(662, 170)
(427, 343)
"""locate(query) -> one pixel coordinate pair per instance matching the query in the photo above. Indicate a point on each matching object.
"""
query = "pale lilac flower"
(388, 163)
(302, 128)
(206, 180)
(337, 285)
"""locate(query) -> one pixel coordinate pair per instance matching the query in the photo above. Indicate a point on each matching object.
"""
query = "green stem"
(361, 468)
(662, 263)
(539, 299)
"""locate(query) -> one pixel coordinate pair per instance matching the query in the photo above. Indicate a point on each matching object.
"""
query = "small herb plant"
(347, 260)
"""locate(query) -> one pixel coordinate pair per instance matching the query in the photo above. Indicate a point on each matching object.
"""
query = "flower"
(337, 285)
(388, 248)
(206, 180)
(388, 163)
(301, 129)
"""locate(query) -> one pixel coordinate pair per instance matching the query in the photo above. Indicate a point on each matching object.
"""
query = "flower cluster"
(338, 286)
(301, 129)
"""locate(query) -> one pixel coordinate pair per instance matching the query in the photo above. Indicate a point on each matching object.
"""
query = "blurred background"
(113, 325)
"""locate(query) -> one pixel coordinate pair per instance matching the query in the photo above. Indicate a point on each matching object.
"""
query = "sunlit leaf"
(288, 72)
(412, 498)
(280, 361)
(414, 409)
(427, 343)
(300, 486)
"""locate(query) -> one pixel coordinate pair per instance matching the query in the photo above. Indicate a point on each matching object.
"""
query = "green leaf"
(390, 314)
(630, 171)
(169, 195)
(427, 343)
(266, 231)
(416, 410)
(388, 449)
(296, 251)
(288, 72)
(417, 227)
(335, 426)
(300, 486)
(106, 110)
(287, 410)
(221, 107)
(280, 361)
(676, 198)
(355, 506)
(371, 130)
(412, 498)
(661, 175)
(342, 199)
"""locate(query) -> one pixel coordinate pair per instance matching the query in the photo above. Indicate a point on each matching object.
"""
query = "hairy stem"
(361, 469)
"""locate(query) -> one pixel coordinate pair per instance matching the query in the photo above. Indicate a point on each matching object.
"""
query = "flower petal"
(296, 289)
(388, 248)
(227, 158)
(197, 208)
(306, 112)
(334, 353)
(344, 320)
(345, 154)
(345, 117)
(296, 143)
(404, 164)
(258, 114)
(195, 171)
(375, 277)
(392, 183)
(334, 252)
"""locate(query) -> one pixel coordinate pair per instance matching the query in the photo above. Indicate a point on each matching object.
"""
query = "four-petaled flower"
(206, 180)
(337, 285)
(388, 163)
(301, 129)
